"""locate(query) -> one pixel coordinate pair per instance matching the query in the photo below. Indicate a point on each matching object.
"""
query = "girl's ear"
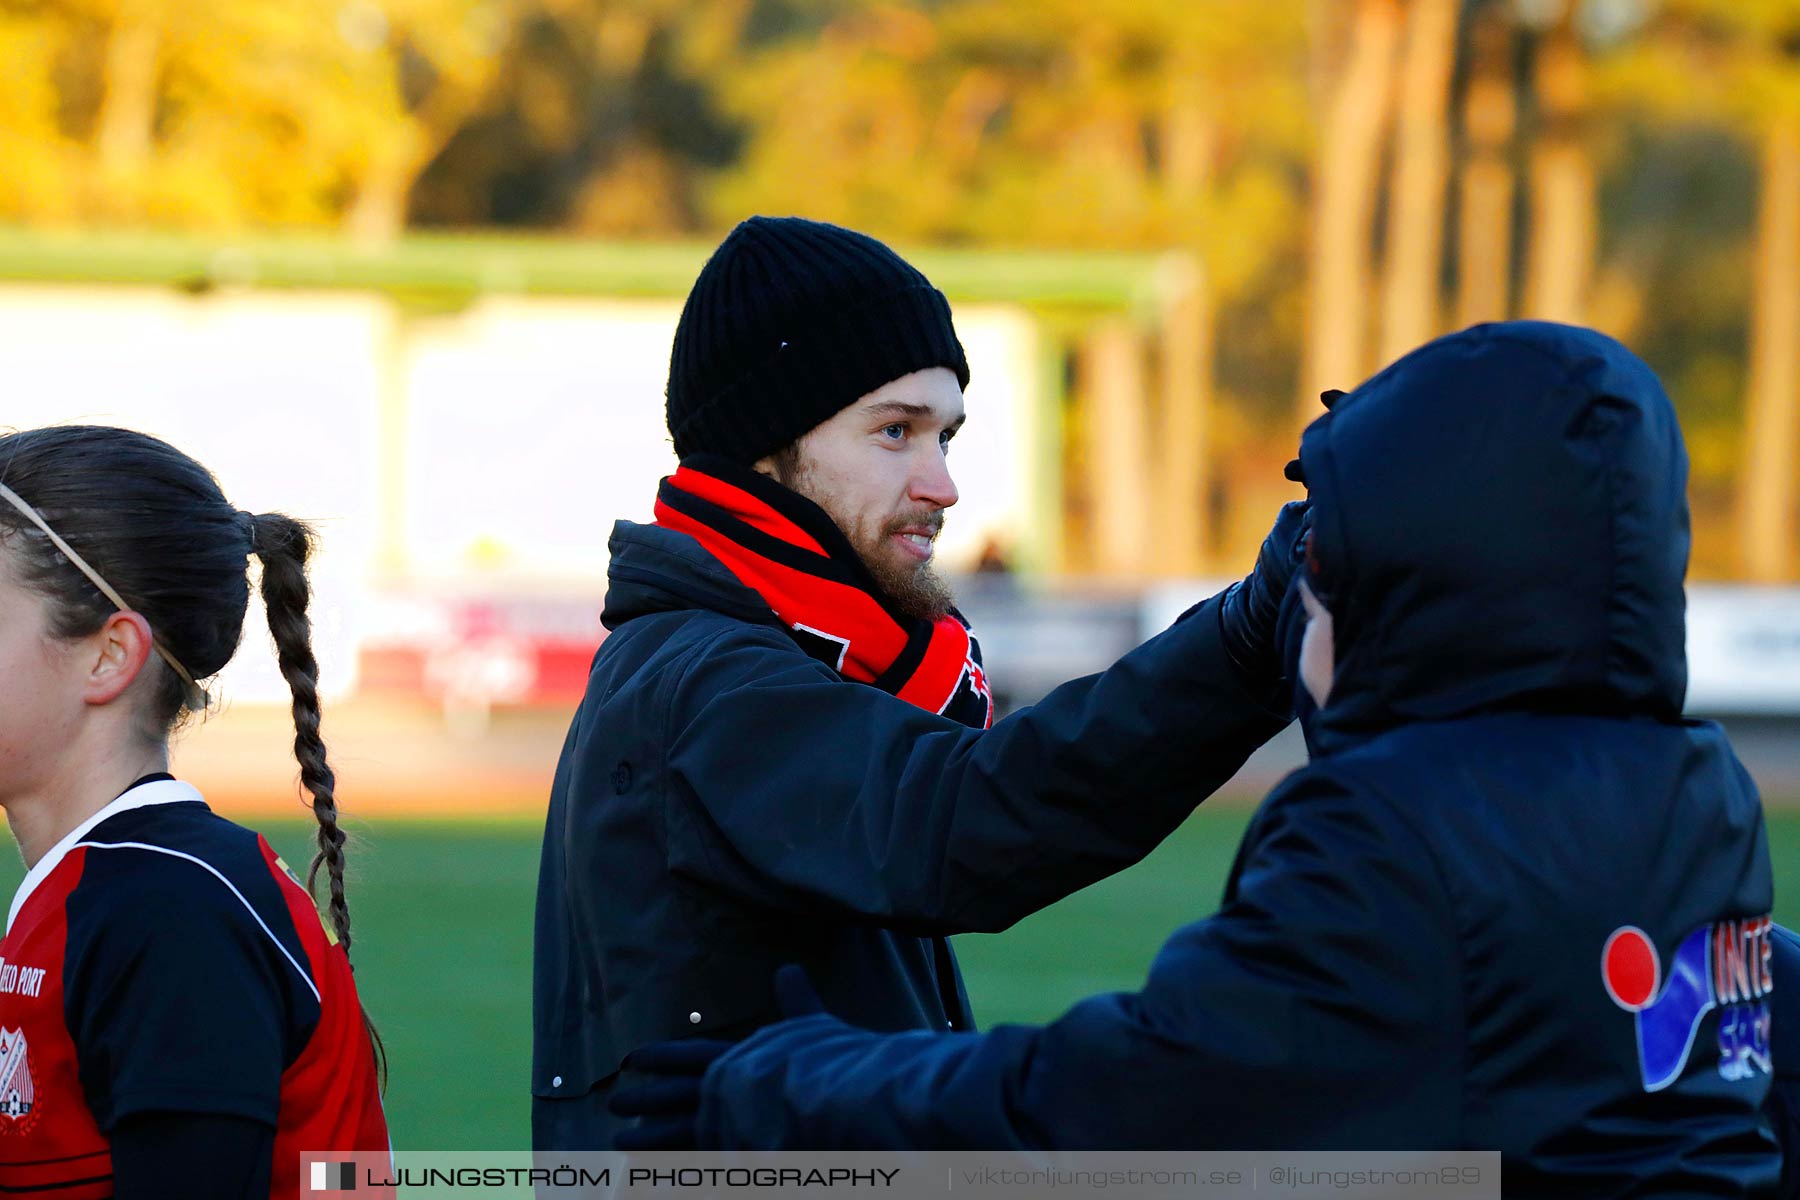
(120, 648)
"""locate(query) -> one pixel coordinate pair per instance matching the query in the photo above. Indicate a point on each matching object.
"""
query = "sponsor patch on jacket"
(1727, 965)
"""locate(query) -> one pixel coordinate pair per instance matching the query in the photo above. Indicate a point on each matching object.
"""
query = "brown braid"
(284, 545)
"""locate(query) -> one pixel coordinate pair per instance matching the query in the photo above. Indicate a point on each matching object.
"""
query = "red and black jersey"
(161, 959)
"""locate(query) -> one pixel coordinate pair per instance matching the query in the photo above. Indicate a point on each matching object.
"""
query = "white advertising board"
(277, 394)
(494, 447)
(1743, 647)
(533, 424)
(1743, 643)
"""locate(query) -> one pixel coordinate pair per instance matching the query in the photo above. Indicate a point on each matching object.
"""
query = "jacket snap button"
(557, 1082)
(693, 1018)
(622, 778)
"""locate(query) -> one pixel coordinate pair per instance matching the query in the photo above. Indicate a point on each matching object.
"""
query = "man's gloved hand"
(1329, 399)
(1248, 615)
(666, 1099)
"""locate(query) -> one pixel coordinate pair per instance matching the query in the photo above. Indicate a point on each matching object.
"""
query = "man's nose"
(931, 482)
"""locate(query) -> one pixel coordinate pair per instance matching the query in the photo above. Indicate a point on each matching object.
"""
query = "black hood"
(1500, 521)
(653, 570)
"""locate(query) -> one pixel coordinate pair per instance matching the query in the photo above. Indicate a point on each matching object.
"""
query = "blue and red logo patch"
(1726, 965)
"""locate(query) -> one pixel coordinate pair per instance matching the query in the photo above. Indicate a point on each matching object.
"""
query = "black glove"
(1329, 399)
(666, 1101)
(1252, 606)
(1248, 617)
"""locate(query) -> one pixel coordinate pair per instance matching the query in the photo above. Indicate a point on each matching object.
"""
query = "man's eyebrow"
(918, 412)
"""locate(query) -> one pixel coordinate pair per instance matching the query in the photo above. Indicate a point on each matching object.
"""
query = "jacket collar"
(144, 795)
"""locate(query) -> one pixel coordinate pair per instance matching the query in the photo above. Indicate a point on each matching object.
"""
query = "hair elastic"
(106, 589)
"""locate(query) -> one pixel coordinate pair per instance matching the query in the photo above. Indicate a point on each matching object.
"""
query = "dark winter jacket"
(726, 803)
(1436, 934)
(1783, 1105)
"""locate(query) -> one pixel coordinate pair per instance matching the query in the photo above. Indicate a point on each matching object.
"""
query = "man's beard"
(915, 588)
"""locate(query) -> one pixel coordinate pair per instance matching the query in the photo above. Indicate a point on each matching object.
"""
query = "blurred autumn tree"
(1726, 333)
(1603, 157)
(1138, 124)
(225, 114)
(1748, 51)
(1334, 180)
(602, 117)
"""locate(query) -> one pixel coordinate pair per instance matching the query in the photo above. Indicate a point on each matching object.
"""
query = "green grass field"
(443, 940)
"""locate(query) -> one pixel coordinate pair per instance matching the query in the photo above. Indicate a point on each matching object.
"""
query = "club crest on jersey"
(1727, 965)
(18, 1094)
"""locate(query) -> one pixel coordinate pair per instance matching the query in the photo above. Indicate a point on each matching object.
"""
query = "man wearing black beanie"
(796, 328)
(787, 752)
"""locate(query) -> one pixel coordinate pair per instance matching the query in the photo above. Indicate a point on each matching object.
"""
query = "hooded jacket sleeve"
(1320, 1002)
(1783, 1104)
(793, 789)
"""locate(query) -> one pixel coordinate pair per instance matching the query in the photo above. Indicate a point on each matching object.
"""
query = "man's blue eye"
(891, 429)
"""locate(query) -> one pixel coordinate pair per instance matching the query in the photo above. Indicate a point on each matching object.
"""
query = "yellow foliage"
(226, 113)
(1140, 123)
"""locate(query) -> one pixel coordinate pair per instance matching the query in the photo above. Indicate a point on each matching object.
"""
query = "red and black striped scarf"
(787, 550)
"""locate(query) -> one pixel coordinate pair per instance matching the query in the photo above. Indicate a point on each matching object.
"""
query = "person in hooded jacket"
(787, 750)
(1514, 902)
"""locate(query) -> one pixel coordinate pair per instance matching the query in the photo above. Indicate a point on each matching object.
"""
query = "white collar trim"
(157, 791)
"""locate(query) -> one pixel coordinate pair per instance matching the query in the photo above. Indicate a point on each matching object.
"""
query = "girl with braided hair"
(175, 1017)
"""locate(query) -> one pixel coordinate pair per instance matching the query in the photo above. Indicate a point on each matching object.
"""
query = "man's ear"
(121, 647)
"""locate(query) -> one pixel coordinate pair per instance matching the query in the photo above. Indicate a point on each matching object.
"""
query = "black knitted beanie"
(790, 322)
